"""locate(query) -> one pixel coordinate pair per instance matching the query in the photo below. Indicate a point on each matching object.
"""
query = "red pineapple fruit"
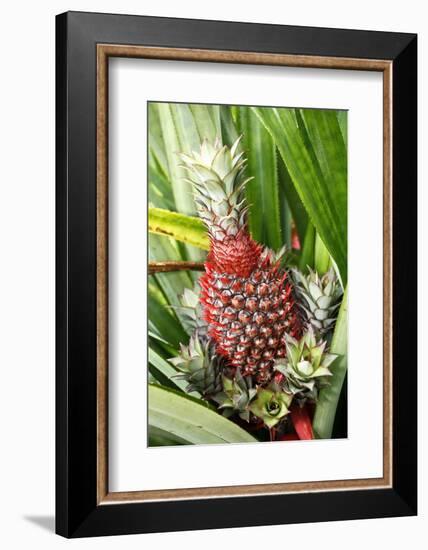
(247, 297)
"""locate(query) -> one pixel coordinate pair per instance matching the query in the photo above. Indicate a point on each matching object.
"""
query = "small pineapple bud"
(306, 364)
(271, 406)
(189, 312)
(198, 366)
(236, 395)
(321, 298)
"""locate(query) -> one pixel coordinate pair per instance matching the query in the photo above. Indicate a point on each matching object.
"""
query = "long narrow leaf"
(186, 129)
(157, 154)
(322, 256)
(161, 438)
(191, 420)
(183, 129)
(328, 399)
(229, 131)
(342, 117)
(326, 139)
(160, 191)
(262, 191)
(162, 320)
(160, 345)
(207, 118)
(294, 203)
(307, 257)
(187, 229)
(168, 371)
(323, 202)
(180, 188)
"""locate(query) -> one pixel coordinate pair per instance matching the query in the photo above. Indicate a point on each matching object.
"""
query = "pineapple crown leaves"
(198, 366)
(306, 363)
(271, 406)
(322, 296)
(236, 395)
(216, 174)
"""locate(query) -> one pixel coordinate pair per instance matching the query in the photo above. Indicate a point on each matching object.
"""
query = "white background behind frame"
(29, 520)
(132, 465)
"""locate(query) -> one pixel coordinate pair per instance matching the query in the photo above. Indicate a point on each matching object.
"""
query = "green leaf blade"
(307, 257)
(229, 130)
(322, 259)
(186, 229)
(162, 320)
(262, 191)
(328, 398)
(168, 371)
(293, 139)
(191, 420)
(327, 141)
(161, 438)
(294, 203)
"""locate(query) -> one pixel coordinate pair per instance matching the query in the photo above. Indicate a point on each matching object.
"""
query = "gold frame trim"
(104, 51)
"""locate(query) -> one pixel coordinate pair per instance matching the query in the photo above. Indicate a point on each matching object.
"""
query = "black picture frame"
(78, 513)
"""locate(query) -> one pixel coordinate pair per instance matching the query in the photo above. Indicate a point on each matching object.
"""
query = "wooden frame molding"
(104, 52)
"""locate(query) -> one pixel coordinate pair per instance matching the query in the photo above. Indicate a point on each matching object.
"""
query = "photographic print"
(207, 233)
(247, 273)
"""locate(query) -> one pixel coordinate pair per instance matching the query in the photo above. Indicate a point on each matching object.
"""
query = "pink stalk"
(302, 422)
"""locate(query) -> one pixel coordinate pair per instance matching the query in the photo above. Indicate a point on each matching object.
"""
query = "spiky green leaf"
(312, 147)
(262, 192)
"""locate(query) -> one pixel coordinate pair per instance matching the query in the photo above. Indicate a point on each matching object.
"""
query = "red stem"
(302, 421)
(166, 267)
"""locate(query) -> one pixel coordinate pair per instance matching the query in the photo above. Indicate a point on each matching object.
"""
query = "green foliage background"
(298, 158)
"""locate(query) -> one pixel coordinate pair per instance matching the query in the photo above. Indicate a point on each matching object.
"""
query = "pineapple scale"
(248, 317)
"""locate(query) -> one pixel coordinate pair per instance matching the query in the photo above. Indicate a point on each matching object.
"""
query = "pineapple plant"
(260, 323)
(247, 298)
